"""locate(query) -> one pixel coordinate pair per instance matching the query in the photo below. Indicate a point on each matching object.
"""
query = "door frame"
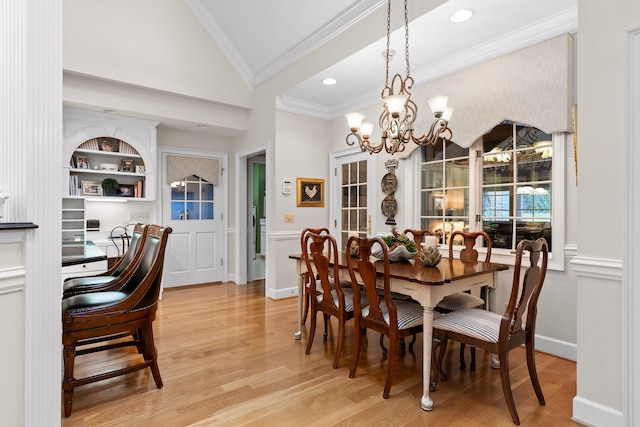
(242, 208)
(223, 186)
(335, 194)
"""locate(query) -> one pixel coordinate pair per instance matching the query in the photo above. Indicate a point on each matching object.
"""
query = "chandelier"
(399, 111)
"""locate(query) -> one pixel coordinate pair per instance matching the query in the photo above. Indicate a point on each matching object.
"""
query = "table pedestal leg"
(427, 336)
(298, 335)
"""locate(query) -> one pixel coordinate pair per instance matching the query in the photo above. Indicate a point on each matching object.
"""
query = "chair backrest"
(418, 235)
(318, 230)
(141, 288)
(367, 271)
(469, 253)
(525, 292)
(135, 247)
(319, 251)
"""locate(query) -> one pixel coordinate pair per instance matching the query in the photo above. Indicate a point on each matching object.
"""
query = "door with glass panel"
(191, 207)
(354, 195)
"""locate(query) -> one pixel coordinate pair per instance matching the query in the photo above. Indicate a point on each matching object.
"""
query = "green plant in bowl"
(110, 186)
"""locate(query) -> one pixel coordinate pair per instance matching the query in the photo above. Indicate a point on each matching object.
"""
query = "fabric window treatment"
(531, 86)
(180, 167)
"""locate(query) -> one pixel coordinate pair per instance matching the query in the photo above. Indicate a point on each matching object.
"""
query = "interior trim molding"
(598, 268)
(596, 413)
(12, 280)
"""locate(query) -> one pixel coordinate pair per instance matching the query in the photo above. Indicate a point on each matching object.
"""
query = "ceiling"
(262, 38)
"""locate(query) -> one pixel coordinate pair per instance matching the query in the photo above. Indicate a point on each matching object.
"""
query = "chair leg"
(151, 353)
(391, 365)
(463, 365)
(336, 358)
(305, 306)
(438, 347)
(533, 373)
(384, 349)
(413, 341)
(472, 366)
(312, 329)
(506, 387)
(326, 327)
(357, 344)
(69, 356)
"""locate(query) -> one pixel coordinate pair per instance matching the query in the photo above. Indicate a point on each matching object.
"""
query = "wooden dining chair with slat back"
(394, 318)
(320, 252)
(501, 333)
(464, 300)
(305, 286)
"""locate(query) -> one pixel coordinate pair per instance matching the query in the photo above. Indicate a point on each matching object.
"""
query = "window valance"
(180, 167)
(532, 86)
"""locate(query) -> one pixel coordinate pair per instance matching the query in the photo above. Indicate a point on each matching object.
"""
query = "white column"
(30, 162)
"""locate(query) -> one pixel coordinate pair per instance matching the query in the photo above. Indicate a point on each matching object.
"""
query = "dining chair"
(393, 318)
(77, 285)
(320, 252)
(305, 278)
(119, 317)
(464, 300)
(501, 333)
(418, 236)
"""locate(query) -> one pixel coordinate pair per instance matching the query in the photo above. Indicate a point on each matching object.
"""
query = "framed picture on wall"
(310, 192)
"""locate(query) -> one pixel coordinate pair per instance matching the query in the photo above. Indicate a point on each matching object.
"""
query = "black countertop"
(92, 253)
(16, 225)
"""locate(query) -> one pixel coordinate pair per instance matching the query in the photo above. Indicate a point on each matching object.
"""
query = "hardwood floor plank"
(227, 358)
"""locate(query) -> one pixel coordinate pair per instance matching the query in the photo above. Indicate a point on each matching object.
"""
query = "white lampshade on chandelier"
(399, 111)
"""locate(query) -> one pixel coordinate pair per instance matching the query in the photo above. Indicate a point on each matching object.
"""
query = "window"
(505, 187)
(444, 193)
(353, 198)
(191, 199)
(516, 184)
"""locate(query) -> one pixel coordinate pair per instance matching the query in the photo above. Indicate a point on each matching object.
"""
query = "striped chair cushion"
(460, 301)
(409, 314)
(477, 323)
(348, 299)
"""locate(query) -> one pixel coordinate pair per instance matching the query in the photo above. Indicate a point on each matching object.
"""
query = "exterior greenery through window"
(191, 199)
(515, 183)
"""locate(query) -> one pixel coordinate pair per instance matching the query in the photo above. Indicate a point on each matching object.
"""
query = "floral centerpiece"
(400, 247)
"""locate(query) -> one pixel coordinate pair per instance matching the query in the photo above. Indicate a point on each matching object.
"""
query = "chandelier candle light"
(399, 111)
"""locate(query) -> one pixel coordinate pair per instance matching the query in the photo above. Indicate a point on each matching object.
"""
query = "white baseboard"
(595, 414)
(282, 293)
(231, 278)
(563, 349)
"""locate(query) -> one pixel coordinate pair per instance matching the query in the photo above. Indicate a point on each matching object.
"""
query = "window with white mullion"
(444, 189)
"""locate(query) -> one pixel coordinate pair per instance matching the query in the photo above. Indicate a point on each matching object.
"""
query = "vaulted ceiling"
(261, 38)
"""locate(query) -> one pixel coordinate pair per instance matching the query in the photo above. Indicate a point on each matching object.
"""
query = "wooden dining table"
(426, 285)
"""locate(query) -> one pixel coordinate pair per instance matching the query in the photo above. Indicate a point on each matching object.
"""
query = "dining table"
(425, 284)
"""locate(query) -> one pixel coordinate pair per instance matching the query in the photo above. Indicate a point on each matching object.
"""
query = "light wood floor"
(228, 358)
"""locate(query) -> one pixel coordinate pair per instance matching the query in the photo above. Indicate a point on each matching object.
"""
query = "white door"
(354, 194)
(193, 208)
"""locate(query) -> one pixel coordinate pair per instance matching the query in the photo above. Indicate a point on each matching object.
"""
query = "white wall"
(148, 43)
(599, 399)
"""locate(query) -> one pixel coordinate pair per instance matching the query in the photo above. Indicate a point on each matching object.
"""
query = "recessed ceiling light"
(461, 15)
(329, 81)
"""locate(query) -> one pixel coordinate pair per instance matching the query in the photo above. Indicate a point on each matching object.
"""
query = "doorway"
(256, 201)
(245, 225)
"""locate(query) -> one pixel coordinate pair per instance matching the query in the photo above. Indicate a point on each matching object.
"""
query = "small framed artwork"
(127, 165)
(310, 192)
(126, 190)
(91, 188)
(82, 162)
(108, 144)
(438, 204)
(139, 168)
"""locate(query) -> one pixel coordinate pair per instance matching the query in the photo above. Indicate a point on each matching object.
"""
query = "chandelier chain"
(406, 36)
(386, 76)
